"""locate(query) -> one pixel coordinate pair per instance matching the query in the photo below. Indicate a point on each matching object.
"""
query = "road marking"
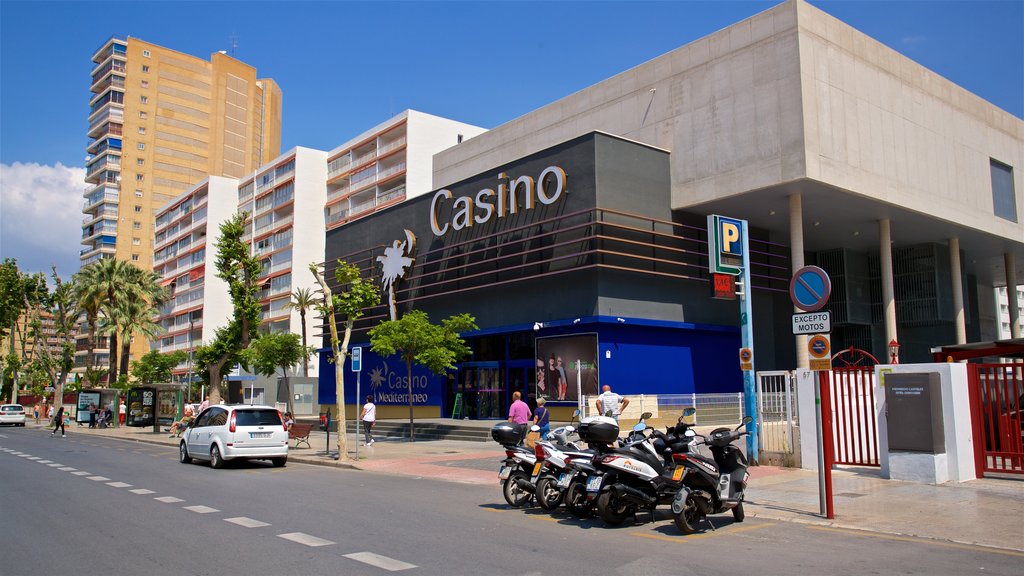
(118, 485)
(55, 465)
(389, 564)
(246, 522)
(305, 539)
(81, 473)
(717, 533)
(67, 469)
(200, 509)
(98, 478)
(168, 499)
(26, 456)
(34, 458)
(920, 540)
(142, 491)
(45, 461)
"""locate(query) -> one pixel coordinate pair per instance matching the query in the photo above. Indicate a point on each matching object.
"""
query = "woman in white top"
(368, 416)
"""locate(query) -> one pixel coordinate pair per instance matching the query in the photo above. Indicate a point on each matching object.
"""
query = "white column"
(1011, 294)
(796, 258)
(888, 297)
(958, 290)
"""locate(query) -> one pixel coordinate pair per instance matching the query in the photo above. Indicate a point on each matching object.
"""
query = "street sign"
(810, 288)
(746, 359)
(357, 358)
(819, 348)
(812, 322)
(723, 287)
(725, 245)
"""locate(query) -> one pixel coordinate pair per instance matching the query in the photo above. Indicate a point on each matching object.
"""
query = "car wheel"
(279, 462)
(183, 456)
(216, 460)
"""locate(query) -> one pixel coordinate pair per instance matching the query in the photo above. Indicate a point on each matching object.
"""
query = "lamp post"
(190, 349)
(894, 351)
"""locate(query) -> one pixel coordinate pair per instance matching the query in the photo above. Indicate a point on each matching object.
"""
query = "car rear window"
(257, 418)
(11, 408)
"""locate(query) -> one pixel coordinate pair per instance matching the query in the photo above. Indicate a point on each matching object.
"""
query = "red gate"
(997, 394)
(854, 427)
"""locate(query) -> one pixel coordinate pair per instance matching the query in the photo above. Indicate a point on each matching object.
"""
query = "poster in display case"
(141, 406)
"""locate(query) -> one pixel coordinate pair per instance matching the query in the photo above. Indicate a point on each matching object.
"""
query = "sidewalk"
(986, 512)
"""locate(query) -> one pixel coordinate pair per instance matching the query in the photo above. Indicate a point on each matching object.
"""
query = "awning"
(1010, 348)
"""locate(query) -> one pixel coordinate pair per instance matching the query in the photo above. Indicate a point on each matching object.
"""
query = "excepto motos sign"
(812, 323)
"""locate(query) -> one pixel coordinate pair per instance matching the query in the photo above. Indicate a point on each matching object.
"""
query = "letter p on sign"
(730, 236)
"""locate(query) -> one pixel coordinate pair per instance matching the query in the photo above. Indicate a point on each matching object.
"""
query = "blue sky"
(346, 66)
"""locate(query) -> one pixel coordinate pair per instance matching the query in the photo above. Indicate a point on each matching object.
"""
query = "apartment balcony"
(338, 169)
(90, 233)
(89, 253)
(109, 92)
(336, 217)
(390, 195)
(104, 109)
(108, 48)
(110, 75)
(277, 223)
(106, 212)
(93, 202)
(391, 146)
(113, 116)
(95, 169)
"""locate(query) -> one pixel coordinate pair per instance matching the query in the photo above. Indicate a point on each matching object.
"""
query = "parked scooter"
(554, 454)
(711, 487)
(518, 467)
(642, 475)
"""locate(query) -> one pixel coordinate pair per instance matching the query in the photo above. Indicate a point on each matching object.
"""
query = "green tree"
(155, 367)
(62, 306)
(241, 271)
(415, 339)
(302, 300)
(90, 301)
(355, 295)
(272, 351)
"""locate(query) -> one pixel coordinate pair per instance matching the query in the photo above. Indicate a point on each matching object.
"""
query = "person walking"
(611, 404)
(93, 412)
(122, 413)
(36, 412)
(368, 416)
(58, 422)
(542, 418)
(519, 413)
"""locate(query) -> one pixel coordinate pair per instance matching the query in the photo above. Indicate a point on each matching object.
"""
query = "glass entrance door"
(483, 390)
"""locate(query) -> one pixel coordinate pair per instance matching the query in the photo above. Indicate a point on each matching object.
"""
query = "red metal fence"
(996, 395)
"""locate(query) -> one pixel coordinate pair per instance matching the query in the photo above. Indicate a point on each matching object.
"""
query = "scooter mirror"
(576, 412)
(687, 412)
(747, 420)
(645, 415)
(640, 427)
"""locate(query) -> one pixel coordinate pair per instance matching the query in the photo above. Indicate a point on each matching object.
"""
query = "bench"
(300, 433)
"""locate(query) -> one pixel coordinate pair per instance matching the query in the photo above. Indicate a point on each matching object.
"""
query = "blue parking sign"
(357, 358)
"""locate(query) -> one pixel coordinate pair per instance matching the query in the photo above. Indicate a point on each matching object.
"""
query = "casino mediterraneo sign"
(512, 195)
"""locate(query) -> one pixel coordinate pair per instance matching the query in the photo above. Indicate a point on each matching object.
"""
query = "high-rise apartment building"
(285, 198)
(388, 163)
(159, 122)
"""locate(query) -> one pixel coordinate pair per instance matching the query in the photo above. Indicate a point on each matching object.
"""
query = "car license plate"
(505, 472)
(259, 434)
(594, 484)
(564, 480)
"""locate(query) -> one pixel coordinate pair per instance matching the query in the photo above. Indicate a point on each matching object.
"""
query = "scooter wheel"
(514, 495)
(548, 495)
(576, 500)
(612, 510)
(687, 520)
(737, 513)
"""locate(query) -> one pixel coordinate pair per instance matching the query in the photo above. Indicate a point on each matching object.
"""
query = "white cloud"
(41, 216)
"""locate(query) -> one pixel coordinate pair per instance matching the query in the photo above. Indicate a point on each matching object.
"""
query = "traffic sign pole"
(747, 341)
(357, 366)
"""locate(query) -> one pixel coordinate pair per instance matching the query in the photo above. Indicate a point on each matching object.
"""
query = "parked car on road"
(13, 414)
(242, 432)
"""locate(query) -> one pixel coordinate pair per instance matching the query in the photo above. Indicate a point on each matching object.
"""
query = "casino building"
(578, 230)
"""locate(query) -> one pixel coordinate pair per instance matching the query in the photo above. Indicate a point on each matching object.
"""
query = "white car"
(13, 414)
(242, 432)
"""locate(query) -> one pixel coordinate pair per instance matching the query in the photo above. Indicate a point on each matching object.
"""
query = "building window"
(459, 139)
(1003, 202)
(138, 209)
(145, 68)
(137, 225)
(142, 114)
(136, 241)
(145, 53)
(145, 83)
(138, 177)
(135, 257)
(138, 193)
(142, 130)
(141, 146)
(140, 162)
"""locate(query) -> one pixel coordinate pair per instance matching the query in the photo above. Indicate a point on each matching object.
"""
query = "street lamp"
(894, 351)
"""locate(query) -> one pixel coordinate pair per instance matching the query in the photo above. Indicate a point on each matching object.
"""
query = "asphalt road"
(88, 505)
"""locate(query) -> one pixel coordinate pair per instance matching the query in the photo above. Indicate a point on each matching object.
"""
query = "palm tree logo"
(396, 261)
(377, 377)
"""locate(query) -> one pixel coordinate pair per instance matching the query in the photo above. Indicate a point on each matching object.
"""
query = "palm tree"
(302, 300)
(90, 301)
(111, 283)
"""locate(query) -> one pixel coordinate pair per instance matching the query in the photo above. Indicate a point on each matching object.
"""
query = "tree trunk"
(92, 344)
(214, 390)
(126, 346)
(412, 425)
(112, 365)
(305, 359)
(288, 390)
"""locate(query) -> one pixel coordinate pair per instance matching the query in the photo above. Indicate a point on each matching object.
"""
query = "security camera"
(576, 321)
(537, 326)
(620, 319)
